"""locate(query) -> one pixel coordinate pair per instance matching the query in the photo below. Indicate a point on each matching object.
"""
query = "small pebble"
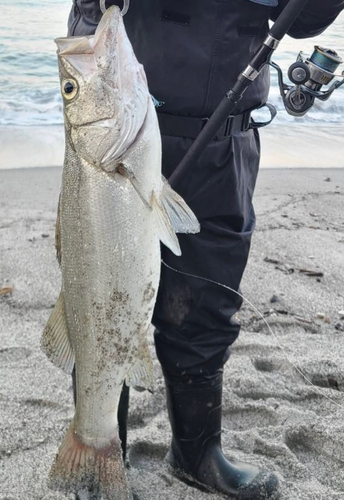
(328, 179)
(274, 299)
(44, 235)
(321, 315)
(341, 314)
(339, 327)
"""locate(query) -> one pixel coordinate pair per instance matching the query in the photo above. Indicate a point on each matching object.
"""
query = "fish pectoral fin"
(141, 374)
(129, 174)
(181, 217)
(55, 341)
(166, 233)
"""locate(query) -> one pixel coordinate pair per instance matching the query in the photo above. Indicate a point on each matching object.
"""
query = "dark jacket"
(194, 50)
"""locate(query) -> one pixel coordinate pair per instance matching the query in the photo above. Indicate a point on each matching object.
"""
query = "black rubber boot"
(122, 414)
(196, 457)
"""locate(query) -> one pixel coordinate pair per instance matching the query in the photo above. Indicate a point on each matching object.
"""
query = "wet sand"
(295, 145)
(272, 416)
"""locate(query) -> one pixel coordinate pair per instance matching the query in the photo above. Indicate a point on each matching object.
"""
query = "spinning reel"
(308, 77)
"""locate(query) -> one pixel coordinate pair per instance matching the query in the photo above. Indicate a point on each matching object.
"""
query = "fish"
(115, 209)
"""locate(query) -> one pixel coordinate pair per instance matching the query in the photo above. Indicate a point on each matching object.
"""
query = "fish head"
(104, 89)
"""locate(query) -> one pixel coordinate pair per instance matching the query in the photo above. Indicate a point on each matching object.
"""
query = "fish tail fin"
(96, 469)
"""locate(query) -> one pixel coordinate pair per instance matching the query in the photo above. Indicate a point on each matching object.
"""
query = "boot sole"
(191, 481)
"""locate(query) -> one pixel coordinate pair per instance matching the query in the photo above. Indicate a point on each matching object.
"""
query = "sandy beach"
(272, 415)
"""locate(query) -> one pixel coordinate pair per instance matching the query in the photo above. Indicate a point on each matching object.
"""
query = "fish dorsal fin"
(181, 217)
(55, 341)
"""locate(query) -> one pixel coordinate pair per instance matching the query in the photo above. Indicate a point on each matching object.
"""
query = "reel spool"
(308, 77)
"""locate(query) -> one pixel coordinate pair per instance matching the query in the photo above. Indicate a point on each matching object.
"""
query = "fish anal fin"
(141, 375)
(55, 341)
(96, 467)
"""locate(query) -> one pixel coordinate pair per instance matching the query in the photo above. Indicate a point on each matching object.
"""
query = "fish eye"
(69, 88)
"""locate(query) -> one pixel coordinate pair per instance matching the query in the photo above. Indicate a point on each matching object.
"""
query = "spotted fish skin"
(115, 209)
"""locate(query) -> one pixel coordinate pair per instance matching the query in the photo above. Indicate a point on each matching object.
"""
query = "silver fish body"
(114, 210)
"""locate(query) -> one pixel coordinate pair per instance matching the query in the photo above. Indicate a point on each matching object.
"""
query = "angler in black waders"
(193, 52)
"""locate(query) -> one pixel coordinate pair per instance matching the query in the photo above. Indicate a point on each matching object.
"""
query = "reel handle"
(299, 73)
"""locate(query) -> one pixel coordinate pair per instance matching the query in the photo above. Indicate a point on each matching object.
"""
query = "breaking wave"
(29, 86)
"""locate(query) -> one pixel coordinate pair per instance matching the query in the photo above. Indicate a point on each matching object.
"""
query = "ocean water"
(29, 89)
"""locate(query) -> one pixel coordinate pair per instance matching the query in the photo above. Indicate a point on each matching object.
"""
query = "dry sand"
(271, 416)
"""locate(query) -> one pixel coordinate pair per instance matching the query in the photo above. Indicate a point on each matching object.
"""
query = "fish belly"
(110, 270)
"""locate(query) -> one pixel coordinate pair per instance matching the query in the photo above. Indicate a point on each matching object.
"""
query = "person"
(193, 52)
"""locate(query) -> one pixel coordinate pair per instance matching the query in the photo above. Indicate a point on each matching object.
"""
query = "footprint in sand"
(249, 416)
(146, 455)
(325, 374)
(270, 365)
(13, 355)
(252, 348)
(320, 453)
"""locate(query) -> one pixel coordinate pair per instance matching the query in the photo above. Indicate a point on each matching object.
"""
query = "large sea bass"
(114, 210)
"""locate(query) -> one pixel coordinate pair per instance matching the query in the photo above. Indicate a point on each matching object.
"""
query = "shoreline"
(282, 146)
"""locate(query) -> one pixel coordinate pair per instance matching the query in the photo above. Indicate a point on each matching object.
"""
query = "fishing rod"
(307, 75)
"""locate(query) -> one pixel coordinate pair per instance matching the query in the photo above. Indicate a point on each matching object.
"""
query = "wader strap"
(188, 126)
(273, 113)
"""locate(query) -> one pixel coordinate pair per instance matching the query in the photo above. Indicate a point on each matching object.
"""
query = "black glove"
(314, 19)
(85, 16)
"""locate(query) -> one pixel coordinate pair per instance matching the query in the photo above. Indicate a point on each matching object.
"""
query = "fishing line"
(267, 324)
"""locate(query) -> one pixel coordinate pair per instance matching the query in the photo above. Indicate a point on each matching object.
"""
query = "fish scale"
(98, 273)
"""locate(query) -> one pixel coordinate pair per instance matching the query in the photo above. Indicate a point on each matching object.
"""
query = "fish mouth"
(79, 45)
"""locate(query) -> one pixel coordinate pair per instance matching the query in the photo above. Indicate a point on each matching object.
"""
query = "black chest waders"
(193, 51)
